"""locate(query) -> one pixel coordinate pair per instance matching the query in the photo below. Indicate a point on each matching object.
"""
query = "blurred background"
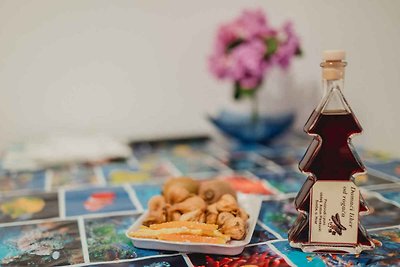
(138, 69)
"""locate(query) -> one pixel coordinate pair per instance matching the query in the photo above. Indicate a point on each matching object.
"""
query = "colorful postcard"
(43, 244)
(28, 207)
(97, 200)
(391, 193)
(288, 181)
(107, 241)
(386, 253)
(369, 179)
(261, 235)
(22, 181)
(146, 191)
(243, 161)
(382, 213)
(166, 261)
(257, 255)
(245, 184)
(297, 256)
(73, 176)
(284, 155)
(391, 168)
(194, 165)
(155, 167)
(108, 168)
(278, 215)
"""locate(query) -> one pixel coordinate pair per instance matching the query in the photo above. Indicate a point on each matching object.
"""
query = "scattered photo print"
(288, 181)
(382, 213)
(73, 176)
(369, 179)
(22, 181)
(146, 191)
(110, 167)
(155, 167)
(391, 168)
(194, 165)
(44, 244)
(97, 200)
(167, 261)
(297, 256)
(391, 193)
(28, 207)
(373, 156)
(278, 214)
(107, 241)
(284, 155)
(261, 235)
(243, 161)
(244, 184)
(386, 253)
(257, 255)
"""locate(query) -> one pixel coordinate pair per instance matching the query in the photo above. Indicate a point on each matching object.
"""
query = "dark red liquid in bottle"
(330, 156)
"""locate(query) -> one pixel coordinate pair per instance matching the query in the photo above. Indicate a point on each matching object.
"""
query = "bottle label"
(334, 207)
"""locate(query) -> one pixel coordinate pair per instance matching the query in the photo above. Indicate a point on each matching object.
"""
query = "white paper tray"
(252, 205)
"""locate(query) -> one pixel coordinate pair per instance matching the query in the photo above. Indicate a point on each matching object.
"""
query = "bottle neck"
(328, 85)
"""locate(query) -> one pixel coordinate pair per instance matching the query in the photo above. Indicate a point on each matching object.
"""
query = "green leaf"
(272, 46)
(240, 92)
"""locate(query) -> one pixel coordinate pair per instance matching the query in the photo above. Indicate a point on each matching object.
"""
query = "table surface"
(77, 215)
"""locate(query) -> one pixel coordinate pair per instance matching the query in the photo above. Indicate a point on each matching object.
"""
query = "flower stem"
(254, 110)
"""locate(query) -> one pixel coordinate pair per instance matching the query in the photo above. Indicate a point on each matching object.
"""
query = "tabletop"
(78, 214)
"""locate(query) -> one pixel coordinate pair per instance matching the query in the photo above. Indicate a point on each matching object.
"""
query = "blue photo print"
(261, 235)
(97, 200)
(241, 161)
(391, 193)
(392, 168)
(288, 181)
(386, 253)
(284, 155)
(107, 241)
(50, 243)
(107, 169)
(146, 191)
(167, 261)
(34, 181)
(278, 214)
(382, 213)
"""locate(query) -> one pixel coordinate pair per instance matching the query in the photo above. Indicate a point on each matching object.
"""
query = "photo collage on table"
(79, 214)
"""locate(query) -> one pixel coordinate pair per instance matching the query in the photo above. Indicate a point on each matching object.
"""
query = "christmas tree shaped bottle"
(329, 203)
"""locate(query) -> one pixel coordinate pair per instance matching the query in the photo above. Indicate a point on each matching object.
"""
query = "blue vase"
(246, 130)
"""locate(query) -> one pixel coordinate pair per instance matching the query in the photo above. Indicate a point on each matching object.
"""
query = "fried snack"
(223, 217)
(193, 216)
(157, 211)
(188, 225)
(211, 214)
(191, 185)
(227, 203)
(211, 191)
(190, 204)
(176, 194)
(182, 232)
(235, 228)
(193, 238)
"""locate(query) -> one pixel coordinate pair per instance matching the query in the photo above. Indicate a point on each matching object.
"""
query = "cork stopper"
(333, 65)
(334, 55)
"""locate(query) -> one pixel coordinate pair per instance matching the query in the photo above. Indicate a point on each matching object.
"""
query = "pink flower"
(241, 53)
(288, 46)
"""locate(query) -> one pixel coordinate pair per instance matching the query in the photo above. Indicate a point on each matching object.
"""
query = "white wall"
(138, 68)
